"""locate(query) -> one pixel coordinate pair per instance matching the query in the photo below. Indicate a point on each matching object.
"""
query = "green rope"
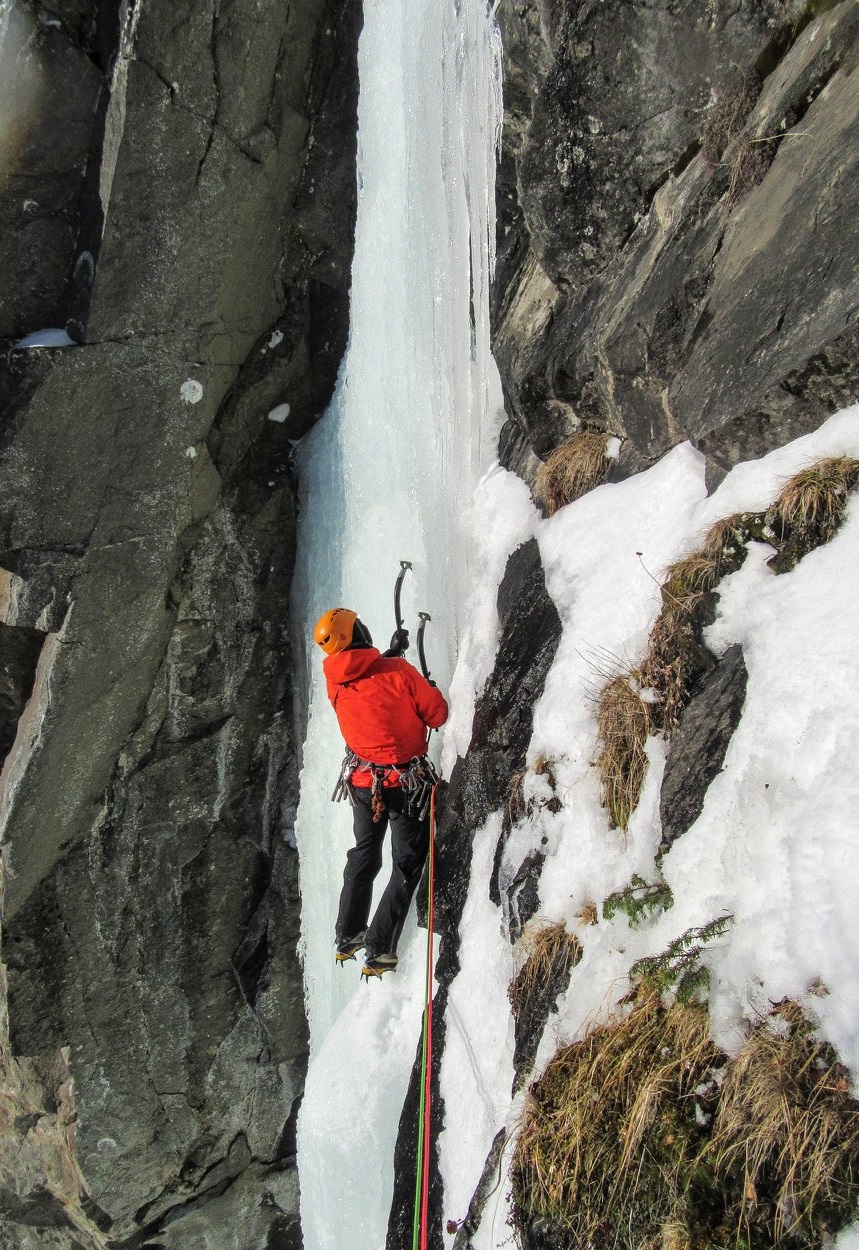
(422, 1144)
(420, 1151)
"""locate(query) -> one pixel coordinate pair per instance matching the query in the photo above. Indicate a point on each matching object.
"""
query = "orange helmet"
(333, 630)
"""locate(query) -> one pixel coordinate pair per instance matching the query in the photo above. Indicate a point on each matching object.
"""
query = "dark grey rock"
(147, 533)
(827, 382)
(679, 315)
(699, 744)
(532, 1002)
(522, 894)
(619, 109)
(19, 654)
(44, 67)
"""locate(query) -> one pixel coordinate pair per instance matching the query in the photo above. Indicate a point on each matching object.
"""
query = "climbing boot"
(347, 948)
(378, 965)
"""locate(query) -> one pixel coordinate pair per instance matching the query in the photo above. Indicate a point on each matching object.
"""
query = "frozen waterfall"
(388, 474)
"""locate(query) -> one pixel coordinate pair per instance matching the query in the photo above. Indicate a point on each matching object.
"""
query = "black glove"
(399, 644)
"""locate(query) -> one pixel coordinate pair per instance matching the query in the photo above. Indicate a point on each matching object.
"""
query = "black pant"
(409, 847)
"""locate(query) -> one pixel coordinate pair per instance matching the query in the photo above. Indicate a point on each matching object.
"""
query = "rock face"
(43, 1197)
(699, 744)
(677, 241)
(147, 525)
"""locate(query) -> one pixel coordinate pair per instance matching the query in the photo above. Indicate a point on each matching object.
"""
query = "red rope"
(428, 1073)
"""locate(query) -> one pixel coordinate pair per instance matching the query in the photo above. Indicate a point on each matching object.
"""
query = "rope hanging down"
(420, 1227)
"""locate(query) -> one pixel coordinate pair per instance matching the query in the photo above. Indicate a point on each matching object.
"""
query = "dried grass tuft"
(749, 167)
(787, 1128)
(517, 806)
(551, 951)
(810, 509)
(727, 117)
(674, 662)
(813, 501)
(725, 536)
(608, 1134)
(688, 580)
(643, 1134)
(572, 469)
(623, 721)
(588, 913)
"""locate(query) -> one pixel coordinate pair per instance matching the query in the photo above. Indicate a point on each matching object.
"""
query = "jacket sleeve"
(430, 703)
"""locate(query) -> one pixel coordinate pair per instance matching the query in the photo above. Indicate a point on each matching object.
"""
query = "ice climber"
(385, 709)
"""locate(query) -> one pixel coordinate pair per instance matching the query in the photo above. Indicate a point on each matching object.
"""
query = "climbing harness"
(416, 779)
(420, 1227)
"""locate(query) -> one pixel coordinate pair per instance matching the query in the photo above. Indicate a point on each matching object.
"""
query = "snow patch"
(774, 845)
(191, 391)
(46, 338)
(280, 413)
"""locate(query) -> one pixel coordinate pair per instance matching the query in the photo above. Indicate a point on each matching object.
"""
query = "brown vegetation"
(551, 952)
(644, 1134)
(726, 119)
(608, 1135)
(623, 721)
(811, 506)
(572, 469)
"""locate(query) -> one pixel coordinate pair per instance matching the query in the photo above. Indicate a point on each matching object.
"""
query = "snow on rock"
(46, 338)
(191, 391)
(280, 413)
(503, 517)
(848, 1238)
(478, 1052)
(775, 843)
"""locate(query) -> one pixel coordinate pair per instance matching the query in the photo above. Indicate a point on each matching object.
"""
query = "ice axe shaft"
(424, 617)
(405, 565)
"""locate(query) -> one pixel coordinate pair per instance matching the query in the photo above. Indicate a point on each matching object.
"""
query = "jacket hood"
(349, 665)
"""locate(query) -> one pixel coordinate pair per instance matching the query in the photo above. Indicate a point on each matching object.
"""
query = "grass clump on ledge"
(609, 1135)
(807, 513)
(623, 723)
(571, 470)
(727, 118)
(644, 1135)
(551, 953)
(810, 508)
(787, 1127)
(676, 658)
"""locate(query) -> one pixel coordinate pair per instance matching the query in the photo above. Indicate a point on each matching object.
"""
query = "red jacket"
(384, 707)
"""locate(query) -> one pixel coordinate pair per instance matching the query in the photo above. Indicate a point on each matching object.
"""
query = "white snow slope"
(776, 844)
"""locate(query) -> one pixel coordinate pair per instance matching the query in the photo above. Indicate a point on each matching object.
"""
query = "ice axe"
(424, 617)
(405, 565)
